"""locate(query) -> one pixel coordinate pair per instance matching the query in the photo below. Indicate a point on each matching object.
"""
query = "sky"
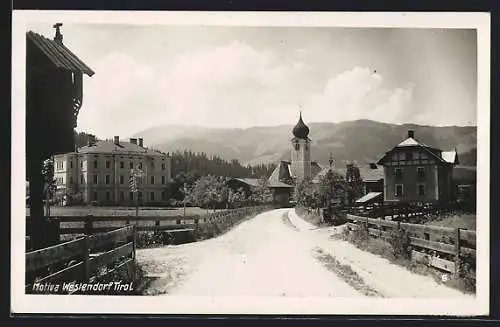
(226, 76)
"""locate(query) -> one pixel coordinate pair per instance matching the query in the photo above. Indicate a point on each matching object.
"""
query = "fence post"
(134, 245)
(86, 257)
(88, 225)
(457, 252)
(379, 229)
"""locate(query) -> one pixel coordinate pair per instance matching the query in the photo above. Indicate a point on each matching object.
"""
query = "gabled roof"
(123, 148)
(280, 174)
(58, 54)
(254, 182)
(444, 157)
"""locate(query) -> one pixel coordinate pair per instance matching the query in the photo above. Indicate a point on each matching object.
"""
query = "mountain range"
(359, 141)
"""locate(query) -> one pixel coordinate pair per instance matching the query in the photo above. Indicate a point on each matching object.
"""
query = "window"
(399, 190)
(163, 166)
(81, 164)
(398, 173)
(95, 179)
(152, 180)
(122, 179)
(420, 172)
(122, 165)
(401, 156)
(108, 164)
(82, 180)
(409, 156)
(130, 196)
(71, 179)
(152, 196)
(94, 196)
(140, 165)
(131, 165)
(108, 179)
(95, 163)
(163, 179)
(152, 165)
(108, 196)
(421, 189)
(71, 164)
(297, 146)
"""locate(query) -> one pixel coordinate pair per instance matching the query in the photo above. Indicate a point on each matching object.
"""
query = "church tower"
(301, 151)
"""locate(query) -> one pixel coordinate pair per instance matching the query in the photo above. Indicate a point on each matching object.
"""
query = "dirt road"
(272, 256)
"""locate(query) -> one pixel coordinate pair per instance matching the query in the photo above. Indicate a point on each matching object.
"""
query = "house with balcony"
(417, 173)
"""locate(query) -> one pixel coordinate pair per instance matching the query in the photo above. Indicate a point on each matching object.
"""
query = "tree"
(208, 191)
(331, 188)
(354, 183)
(306, 194)
(261, 194)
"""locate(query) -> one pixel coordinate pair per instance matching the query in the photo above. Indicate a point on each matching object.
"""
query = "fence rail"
(91, 224)
(439, 247)
(83, 258)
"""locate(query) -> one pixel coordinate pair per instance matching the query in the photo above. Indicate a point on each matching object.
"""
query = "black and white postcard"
(250, 163)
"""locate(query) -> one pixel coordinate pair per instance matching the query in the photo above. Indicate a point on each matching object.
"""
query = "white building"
(100, 171)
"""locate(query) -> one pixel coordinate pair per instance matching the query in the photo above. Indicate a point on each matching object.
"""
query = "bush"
(467, 271)
(400, 242)
(358, 236)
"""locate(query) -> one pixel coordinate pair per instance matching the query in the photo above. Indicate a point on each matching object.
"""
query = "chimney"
(58, 37)
(133, 141)
(117, 140)
(141, 144)
(411, 134)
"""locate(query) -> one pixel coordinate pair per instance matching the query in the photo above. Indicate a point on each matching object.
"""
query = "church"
(300, 166)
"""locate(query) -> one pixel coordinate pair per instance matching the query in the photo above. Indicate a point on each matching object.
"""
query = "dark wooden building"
(54, 78)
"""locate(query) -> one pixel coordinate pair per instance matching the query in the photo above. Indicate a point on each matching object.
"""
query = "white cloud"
(359, 93)
(232, 85)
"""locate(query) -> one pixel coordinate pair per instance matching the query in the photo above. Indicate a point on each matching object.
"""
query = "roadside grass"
(386, 250)
(286, 221)
(463, 220)
(345, 273)
(311, 216)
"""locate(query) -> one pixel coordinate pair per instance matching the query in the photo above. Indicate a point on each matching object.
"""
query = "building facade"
(417, 173)
(101, 171)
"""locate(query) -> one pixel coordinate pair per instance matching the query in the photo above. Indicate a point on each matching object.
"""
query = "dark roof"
(58, 54)
(300, 130)
(122, 148)
(253, 182)
(280, 174)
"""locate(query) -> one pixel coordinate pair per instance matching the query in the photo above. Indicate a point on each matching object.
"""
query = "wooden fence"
(400, 212)
(91, 224)
(84, 259)
(439, 247)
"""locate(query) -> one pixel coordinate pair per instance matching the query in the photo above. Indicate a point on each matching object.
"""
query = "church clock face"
(297, 146)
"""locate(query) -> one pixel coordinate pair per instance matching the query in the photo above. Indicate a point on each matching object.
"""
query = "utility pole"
(135, 176)
(185, 196)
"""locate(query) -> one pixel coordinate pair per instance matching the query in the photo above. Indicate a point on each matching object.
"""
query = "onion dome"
(301, 130)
